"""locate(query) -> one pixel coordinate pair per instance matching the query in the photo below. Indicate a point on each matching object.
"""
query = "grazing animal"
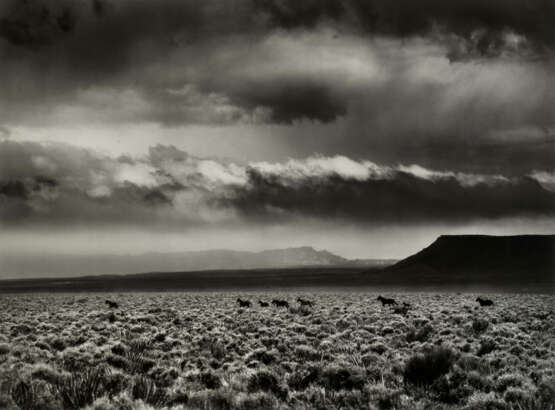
(243, 303)
(484, 302)
(263, 304)
(280, 303)
(304, 302)
(386, 301)
(112, 305)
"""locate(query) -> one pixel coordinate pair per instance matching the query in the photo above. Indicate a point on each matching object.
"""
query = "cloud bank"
(58, 184)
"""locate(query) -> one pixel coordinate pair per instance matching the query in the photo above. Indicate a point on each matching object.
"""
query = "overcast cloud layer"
(399, 81)
(189, 114)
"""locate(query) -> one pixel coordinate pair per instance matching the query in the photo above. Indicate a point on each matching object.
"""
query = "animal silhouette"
(280, 303)
(112, 305)
(263, 304)
(484, 302)
(386, 301)
(304, 302)
(243, 303)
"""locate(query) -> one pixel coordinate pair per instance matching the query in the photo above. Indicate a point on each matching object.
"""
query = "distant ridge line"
(515, 259)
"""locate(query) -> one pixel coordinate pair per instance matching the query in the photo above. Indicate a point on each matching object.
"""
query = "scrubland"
(201, 351)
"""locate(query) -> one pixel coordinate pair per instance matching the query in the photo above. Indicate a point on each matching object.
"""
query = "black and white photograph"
(277, 204)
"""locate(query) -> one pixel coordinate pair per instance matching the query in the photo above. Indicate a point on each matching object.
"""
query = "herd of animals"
(401, 309)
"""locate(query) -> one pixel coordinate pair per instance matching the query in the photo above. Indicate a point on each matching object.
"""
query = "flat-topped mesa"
(526, 254)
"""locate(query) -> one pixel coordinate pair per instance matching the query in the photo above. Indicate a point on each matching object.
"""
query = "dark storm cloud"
(56, 184)
(70, 44)
(294, 100)
(480, 26)
(52, 50)
(32, 24)
(399, 198)
(13, 189)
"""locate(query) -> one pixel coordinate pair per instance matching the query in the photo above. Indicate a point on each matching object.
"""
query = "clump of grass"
(58, 344)
(420, 335)
(210, 380)
(211, 400)
(118, 349)
(510, 380)
(383, 397)
(452, 388)
(24, 394)
(260, 400)
(517, 395)
(301, 379)
(137, 349)
(481, 401)
(300, 310)
(117, 361)
(265, 356)
(46, 373)
(308, 353)
(178, 398)
(266, 381)
(339, 377)
(136, 356)
(81, 388)
(164, 377)
(479, 382)
(4, 349)
(145, 389)
(217, 349)
(424, 369)
(486, 346)
(480, 325)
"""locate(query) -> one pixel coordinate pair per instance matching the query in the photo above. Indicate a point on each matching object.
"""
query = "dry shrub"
(308, 353)
(452, 388)
(486, 346)
(210, 380)
(303, 378)
(420, 335)
(58, 344)
(340, 377)
(266, 381)
(480, 325)
(485, 401)
(217, 349)
(424, 369)
(46, 373)
(211, 399)
(4, 349)
(256, 401)
(383, 397)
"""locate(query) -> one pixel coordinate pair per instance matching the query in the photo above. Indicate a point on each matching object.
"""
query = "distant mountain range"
(22, 266)
(463, 263)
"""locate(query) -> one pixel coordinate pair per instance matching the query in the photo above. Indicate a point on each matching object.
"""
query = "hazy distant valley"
(28, 265)
(523, 264)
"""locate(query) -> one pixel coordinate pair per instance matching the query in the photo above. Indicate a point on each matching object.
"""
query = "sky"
(366, 128)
